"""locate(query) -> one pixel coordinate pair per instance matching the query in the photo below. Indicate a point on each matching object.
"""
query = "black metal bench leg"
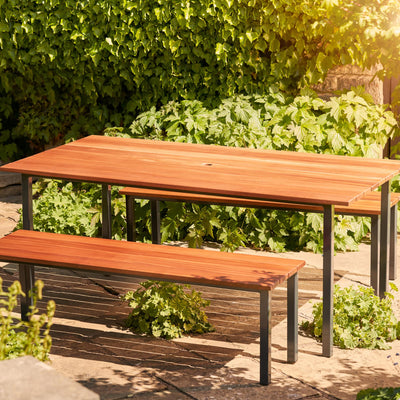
(385, 239)
(292, 318)
(393, 244)
(27, 280)
(106, 211)
(26, 271)
(265, 338)
(155, 222)
(375, 245)
(130, 219)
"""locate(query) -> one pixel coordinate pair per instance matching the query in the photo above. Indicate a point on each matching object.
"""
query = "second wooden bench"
(366, 207)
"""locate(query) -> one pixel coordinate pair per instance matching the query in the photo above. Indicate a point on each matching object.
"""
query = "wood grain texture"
(367, 206)
(195, 266)
(217, 170)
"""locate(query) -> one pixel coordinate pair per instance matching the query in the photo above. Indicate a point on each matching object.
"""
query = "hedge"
(70, 68)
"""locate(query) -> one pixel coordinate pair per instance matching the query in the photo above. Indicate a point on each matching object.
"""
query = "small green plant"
(388, 393)
(20, 338)
(360, 319)
(166, 310)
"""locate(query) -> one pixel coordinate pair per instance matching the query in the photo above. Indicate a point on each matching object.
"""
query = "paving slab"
(10, 185)
(9, 215)
(26, 378)
(8, 179)
(112, 380)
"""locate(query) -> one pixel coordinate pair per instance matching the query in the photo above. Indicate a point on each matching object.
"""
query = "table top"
(208, 169)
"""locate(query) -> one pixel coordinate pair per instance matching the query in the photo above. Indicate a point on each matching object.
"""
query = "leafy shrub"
(360, 319)
(72, 67)
(388, 393)
(20, 338)
(164, 309)
(276, 121)
(349, 124)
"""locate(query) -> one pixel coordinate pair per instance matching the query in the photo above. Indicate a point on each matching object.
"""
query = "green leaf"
(4, 27)
(252, 35)
(335, 109)
(274, 45)
(316, 221)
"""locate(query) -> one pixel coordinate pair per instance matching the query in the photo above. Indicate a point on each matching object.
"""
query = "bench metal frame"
(265, 323)
(27, 278)
(383, 264)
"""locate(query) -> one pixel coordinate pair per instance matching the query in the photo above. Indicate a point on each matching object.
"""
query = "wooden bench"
(193, 266)
(370, 206)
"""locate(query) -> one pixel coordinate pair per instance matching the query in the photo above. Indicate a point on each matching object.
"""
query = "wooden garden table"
(325, 180)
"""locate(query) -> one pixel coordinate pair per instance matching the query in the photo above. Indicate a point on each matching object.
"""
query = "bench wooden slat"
(370, 205)
(240, 271)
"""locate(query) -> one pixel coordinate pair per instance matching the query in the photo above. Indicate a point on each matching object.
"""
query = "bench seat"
(193, 266)
(369, 206)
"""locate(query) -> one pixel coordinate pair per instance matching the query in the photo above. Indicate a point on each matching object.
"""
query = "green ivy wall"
(72, 67)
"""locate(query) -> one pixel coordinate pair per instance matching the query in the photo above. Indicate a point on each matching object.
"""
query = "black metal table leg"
(26, 271)
(106, 211)
(327, 289)
(393, 244)
(155, 220)
(292, 318)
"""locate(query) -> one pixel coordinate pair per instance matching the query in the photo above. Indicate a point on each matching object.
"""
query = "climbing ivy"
(72, 67)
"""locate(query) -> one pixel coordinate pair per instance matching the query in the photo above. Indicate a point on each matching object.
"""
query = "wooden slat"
(235, 172)
(369, 205)
(196, 266)
(295, 160)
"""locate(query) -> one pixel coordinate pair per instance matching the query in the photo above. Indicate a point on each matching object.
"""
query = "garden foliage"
(388, 393)
(166, 310)
(21, 338)
(74, 208)
(360, 319)
(72, 67)
(274, 121)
